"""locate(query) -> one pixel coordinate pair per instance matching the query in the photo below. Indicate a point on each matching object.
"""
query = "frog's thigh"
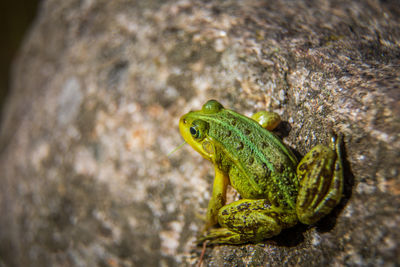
(268, 120)
(321, 182)
(249, 220)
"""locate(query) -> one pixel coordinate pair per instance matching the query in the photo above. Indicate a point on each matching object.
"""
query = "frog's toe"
(221, 236)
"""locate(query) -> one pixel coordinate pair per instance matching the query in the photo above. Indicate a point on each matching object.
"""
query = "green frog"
(276, 190)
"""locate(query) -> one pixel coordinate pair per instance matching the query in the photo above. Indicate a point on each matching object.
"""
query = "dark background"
(15, 19)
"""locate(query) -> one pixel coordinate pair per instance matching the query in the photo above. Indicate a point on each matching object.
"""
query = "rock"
(99, 86)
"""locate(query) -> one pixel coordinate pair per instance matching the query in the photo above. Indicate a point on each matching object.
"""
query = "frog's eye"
(212, 106)
(198, 129)
(194, 132)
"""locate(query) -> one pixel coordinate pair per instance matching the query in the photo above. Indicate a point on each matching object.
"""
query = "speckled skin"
(263, 170)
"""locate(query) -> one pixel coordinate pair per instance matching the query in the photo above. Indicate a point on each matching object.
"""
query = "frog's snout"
(182, 124)
(182, 120)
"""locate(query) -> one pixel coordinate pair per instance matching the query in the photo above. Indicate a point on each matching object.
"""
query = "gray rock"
(99, 86)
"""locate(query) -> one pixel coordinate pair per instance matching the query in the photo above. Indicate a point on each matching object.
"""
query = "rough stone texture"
(99, 86)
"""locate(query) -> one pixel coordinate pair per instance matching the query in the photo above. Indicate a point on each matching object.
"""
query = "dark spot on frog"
(265, 168)
(326, 172)
(251, 160)
(318, 164)
(255, 208)
(240, 146)
(273, 215)
(228, 133)
(266, 204)
(264, 145)
(285, 180)
(247, 131)
(225, 212)
(243, 206)
(233, 122)
(279, 167)
(315, 154)
(220, 198)
(303, 167)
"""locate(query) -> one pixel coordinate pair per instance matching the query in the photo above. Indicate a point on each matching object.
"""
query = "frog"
(276, 190)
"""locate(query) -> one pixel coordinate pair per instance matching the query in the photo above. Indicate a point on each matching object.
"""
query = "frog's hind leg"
(248, 220)
(320, 175)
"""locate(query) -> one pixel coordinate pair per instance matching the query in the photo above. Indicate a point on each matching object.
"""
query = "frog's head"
(194, 128)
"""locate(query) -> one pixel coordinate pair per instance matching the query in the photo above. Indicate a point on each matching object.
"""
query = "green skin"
(276, 190)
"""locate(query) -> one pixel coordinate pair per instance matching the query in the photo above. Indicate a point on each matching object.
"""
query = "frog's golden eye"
(198, 129)
(212, 106)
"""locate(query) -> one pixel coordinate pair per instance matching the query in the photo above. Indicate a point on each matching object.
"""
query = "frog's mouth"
(204, 146)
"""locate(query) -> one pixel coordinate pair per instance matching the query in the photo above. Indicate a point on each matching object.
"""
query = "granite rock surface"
(98, 88)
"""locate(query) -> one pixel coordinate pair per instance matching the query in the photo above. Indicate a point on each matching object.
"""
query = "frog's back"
(259, 164)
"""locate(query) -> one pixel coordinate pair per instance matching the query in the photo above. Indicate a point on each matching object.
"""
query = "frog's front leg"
(320, 175)
(249, 220)
(218, 197)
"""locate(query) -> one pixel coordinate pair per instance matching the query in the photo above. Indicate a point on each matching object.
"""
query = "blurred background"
(15, 21)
